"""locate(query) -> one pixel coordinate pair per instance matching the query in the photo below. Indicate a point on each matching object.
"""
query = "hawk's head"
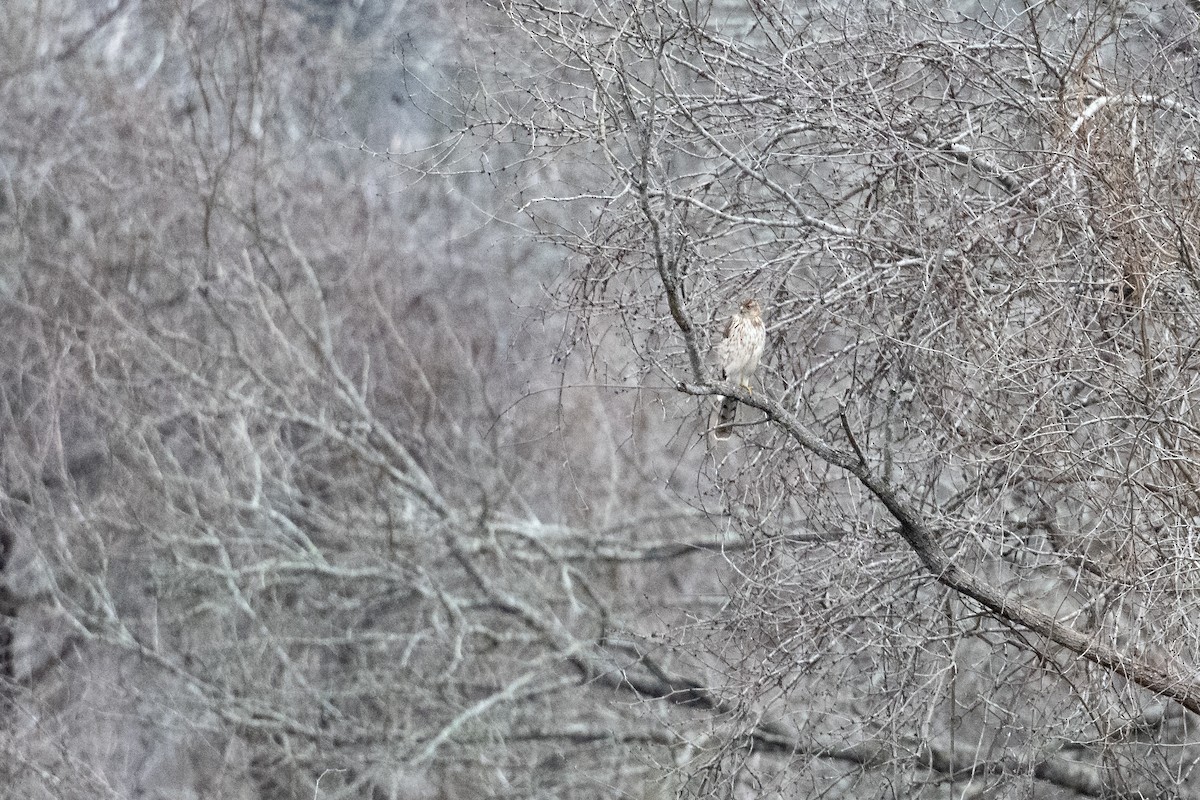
(751, 306)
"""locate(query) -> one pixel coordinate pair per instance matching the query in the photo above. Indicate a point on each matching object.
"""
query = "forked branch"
(1168, 681)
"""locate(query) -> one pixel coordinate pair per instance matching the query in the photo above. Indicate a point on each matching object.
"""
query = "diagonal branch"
(1168, 680)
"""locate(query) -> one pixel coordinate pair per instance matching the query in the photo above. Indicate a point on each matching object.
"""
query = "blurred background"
(342, 448)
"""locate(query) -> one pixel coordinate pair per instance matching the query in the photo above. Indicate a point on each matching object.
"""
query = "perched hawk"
(737, 358)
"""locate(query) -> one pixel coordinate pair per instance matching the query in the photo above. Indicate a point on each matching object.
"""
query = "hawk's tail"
(726, 414)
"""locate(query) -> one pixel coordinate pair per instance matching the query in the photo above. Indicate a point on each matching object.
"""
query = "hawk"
(737, 358)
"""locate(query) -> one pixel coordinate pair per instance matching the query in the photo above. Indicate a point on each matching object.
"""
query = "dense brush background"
(343, 451)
